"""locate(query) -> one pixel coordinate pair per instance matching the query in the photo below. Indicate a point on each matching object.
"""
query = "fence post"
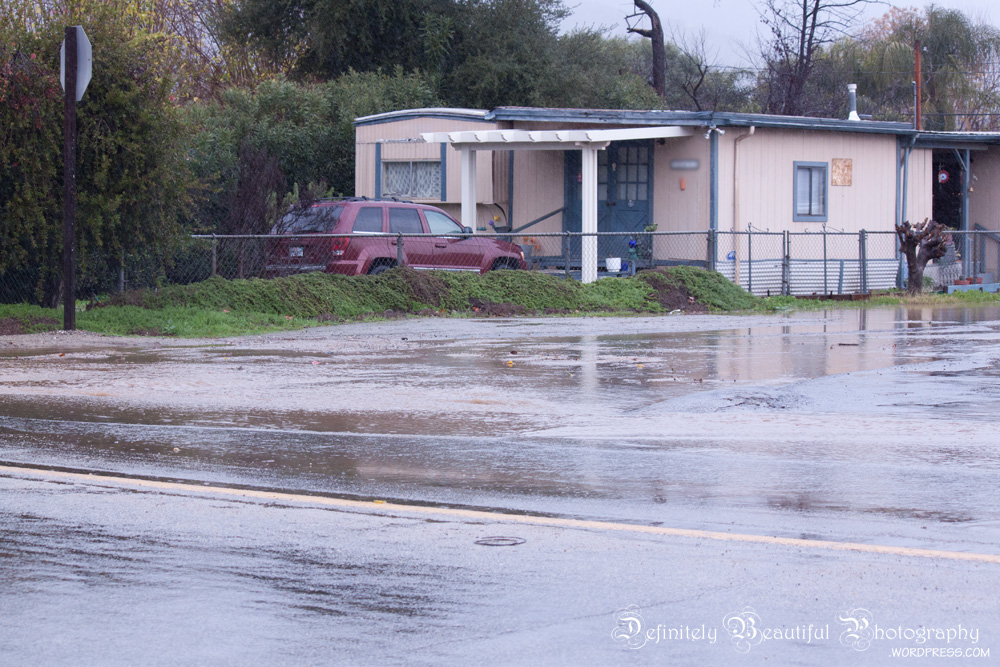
(215, 255)
(567, 253)
(977, 250)
(750, 261)
(863, 261)
(399, 250)
(825, 289)
(121, 274)
(713, 241)
(786, 251)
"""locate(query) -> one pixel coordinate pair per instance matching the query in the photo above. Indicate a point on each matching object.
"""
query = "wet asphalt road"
(871, 429)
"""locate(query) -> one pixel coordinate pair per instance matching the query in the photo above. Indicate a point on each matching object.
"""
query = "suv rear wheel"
(381, 267)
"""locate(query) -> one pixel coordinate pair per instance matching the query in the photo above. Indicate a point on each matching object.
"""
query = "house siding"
(766, 181)
(399, 140)
(984, 200)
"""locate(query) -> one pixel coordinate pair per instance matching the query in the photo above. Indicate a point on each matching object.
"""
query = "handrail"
(988, 234)
(537, 220)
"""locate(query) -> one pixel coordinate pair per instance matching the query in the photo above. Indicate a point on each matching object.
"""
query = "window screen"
(420, 180)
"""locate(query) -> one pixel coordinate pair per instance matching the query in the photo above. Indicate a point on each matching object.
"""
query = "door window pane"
(404, 221)
(369, 219)
(439, 223)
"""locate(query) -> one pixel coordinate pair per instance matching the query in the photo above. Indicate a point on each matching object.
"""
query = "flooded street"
(317, 497)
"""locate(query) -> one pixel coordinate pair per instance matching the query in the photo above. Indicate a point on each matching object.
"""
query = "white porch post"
(588, 256)
(469, 188)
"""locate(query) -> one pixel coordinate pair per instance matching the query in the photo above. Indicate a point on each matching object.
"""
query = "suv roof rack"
(393, 199)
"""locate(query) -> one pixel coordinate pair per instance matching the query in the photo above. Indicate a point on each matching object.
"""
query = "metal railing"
(764, 263)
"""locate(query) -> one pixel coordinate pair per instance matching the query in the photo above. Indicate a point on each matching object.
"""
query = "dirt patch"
(424, 287)
(672, 296)
(490, 309)
(15, 326)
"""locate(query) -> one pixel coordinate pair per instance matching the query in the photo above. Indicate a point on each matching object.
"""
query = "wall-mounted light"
(712, 129)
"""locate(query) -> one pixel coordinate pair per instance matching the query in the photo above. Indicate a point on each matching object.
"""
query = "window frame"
(810, 217)
(435, 196)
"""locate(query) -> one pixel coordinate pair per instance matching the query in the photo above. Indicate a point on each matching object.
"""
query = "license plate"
(295, 252)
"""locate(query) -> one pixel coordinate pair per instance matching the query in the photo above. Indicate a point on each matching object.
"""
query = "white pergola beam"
(588, 253)
(519, 139)
(469, 188)
(633, 133)
(546, 146)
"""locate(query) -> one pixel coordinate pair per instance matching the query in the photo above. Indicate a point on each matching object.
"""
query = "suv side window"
(439, 223)
(368, 219)
(405, 221)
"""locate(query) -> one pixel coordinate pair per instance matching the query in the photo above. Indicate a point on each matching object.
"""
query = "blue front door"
(624, 194)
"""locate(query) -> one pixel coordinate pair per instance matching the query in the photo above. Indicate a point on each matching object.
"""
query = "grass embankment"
(220, 307)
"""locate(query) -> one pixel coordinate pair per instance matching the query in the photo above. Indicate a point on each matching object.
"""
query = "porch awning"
(551, 140)
(586, 141)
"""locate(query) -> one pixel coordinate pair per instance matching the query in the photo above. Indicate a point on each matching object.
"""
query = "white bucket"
(613, 264)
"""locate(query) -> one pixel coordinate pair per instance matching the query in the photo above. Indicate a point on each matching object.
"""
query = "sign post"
(75, 58)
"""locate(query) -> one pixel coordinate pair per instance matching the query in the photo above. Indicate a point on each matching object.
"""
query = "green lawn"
(220, 307)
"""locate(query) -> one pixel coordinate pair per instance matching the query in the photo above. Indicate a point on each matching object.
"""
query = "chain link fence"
(764, 263)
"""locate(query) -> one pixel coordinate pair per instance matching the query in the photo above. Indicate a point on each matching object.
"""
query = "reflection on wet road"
(874, 427)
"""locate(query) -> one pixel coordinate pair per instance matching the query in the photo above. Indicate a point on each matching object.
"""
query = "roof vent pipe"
(852, 92)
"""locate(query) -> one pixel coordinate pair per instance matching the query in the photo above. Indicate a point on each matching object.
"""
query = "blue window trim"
(378, 170)
(444, 172)
(796, 217)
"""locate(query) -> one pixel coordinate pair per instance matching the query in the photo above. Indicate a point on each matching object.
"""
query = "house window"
(419, 180)
(810, 192)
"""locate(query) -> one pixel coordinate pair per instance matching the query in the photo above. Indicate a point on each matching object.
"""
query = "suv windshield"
(312, 220)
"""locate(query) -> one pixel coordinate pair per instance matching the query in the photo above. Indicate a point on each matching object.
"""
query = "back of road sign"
(84, 62)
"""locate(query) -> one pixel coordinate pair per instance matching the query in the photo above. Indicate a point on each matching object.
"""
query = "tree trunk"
(920, 243)
(914, 272)
(655, 34)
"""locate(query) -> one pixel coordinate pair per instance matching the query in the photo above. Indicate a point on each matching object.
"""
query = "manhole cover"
(500, 541)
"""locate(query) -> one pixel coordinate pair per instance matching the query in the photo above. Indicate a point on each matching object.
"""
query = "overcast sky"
(728, 24)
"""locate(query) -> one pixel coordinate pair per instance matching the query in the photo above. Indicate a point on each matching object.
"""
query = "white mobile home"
(534, 171)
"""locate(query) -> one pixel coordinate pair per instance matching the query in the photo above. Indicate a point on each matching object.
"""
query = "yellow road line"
(383, 507)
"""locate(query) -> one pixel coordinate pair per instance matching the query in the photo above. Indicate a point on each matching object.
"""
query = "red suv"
(449, 246)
